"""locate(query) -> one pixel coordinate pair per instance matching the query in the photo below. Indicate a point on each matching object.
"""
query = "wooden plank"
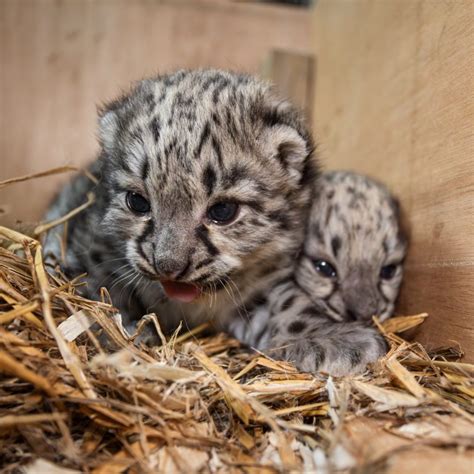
(293, 75)
(394, 99)
(61, 58)
(449, 292)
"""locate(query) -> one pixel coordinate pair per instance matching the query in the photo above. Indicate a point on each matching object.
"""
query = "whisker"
(229, 293)
(131, 277)
(240, 307)
(135, 283)
(213, 296)
(111, 260)
(103, 281)
(121, 278)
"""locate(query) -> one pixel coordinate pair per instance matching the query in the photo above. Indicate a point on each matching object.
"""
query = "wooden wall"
(395, 99)
(60, 58)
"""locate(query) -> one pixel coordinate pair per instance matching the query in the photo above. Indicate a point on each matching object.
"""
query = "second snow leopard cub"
(349, 269)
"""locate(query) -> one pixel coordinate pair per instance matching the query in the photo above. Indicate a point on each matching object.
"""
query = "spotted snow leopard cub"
(349, 269)
(204, 184)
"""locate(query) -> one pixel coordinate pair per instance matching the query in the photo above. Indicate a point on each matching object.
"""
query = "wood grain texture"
(394, 99)
(61, 58)
(294, 75)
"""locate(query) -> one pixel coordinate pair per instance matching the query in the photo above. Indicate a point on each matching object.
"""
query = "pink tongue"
(181, 291)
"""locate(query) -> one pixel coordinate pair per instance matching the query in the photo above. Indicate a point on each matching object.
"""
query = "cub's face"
(207, 175)
(351, 266)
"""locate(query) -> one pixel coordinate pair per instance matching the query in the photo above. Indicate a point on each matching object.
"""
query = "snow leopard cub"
(349, 269)
(204, 182)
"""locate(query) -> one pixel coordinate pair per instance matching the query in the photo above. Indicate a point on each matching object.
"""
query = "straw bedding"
(197, 403)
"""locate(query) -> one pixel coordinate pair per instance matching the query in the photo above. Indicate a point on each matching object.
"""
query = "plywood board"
(395, 100)
(293, 74)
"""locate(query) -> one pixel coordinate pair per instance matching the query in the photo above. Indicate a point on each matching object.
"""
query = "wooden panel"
(446, 292)
(293, 74)
(394, 99)
(60, 58)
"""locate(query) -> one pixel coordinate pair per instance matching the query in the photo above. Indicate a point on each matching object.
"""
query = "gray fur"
(364, 216)
(185, 141)
(322, 323)
(191, 139)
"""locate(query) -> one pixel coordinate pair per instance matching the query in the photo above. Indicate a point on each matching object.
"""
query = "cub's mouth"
(188, 292)
(184, 292)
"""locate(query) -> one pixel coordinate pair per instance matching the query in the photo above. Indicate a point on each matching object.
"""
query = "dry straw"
(196, 403)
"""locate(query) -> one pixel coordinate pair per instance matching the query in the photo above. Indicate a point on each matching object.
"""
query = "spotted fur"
(184, 142)
(322, 322)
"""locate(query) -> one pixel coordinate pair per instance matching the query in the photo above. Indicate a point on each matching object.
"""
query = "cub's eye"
(137, 203)
(388, 272)
(325, 268)
(223, 212)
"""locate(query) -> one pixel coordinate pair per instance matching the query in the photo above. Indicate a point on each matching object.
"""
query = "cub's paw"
(306, 355)
(335, 348)
(147, 336)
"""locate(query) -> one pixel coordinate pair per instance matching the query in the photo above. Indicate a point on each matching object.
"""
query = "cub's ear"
(286, 139)
(114, 115)
(108, 128)
(402, 221)
(395, 205)
(111, 119)
(286, 145)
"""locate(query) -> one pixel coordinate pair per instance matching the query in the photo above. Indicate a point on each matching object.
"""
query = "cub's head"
(207, 176)
(351, 264)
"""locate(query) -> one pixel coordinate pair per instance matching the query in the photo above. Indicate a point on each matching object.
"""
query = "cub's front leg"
(318, 344)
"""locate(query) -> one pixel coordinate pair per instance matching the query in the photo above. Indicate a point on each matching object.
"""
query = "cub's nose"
(361, 312)
(171, 268)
